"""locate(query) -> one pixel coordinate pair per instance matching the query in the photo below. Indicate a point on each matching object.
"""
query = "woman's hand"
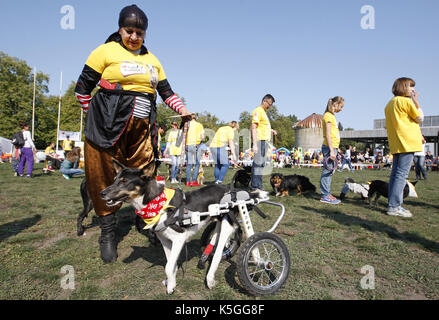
(332, 155)
(184, 112)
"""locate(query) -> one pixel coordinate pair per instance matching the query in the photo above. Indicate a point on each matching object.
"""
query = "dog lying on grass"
(133, 186)
(283, 184)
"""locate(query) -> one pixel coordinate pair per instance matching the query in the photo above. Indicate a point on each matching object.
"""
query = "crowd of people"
(134, 137)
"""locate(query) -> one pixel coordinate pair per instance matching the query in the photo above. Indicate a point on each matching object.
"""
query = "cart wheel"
(269, 273)
(232, 244)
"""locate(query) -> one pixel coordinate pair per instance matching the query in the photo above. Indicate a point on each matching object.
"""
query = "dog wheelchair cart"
(263, 262)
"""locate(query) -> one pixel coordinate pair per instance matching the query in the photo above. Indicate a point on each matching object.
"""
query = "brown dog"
(283, 184)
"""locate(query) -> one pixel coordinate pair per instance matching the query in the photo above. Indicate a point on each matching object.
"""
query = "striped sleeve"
(174, 103)
(84, 100)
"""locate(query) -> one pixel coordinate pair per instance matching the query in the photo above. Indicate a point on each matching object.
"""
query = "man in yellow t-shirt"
(195, 136)
(173, 151)
(224, 135)
(261, 134)
(67, 146)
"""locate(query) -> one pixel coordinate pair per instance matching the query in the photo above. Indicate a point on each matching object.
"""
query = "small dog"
(283, 184)
(359, 188)
(200, 178)
(242, 177)
(379, 188)
(134, 186)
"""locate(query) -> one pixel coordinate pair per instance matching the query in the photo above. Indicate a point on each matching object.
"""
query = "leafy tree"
(16, 94)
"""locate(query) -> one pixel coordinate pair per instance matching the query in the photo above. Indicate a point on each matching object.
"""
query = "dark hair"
(133, 16)
(268, 97)
(24, 124)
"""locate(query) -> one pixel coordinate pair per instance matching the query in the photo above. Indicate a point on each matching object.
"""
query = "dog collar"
(152, 211)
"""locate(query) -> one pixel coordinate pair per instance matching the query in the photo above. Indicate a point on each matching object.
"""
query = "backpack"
(18, 140)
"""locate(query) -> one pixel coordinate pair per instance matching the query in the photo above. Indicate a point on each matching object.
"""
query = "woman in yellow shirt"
(121, 117)
(173, 151)
(224, 135)
(403, 115)
(331, 142)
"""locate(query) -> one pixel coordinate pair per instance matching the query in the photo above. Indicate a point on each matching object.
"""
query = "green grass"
(328, 246)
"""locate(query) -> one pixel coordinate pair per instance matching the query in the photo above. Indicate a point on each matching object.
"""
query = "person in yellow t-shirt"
(224, 135)
(67, 146)
(331, 142)
(403, 115)
(173, 151)
(52, 160)
(261, 134)
(129, 78)
(195, 136)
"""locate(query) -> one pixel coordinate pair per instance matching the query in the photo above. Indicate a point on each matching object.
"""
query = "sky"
(224, 56)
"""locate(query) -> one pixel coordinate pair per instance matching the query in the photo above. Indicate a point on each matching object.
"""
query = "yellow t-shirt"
(134, 72)
(263, 131)
(335, 135)
(194, 134)
(67, 145)
(222, 137)
(172, 139)
(49, 150)
(403, 131)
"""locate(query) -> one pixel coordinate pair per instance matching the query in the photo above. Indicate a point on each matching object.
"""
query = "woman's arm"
(329, 140)
(87, 81)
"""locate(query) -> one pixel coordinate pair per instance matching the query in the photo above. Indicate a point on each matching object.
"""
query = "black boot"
(107, 240)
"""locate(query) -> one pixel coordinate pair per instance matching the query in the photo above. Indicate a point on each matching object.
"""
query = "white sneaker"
(399, 212)
(174, 181)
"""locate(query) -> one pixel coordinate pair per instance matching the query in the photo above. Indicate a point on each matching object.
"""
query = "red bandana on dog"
(151, 213)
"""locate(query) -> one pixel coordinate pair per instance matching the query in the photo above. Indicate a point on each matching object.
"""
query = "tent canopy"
(283, 149)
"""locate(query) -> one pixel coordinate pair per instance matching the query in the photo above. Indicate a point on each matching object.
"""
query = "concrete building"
(429, 128)
(309, 133)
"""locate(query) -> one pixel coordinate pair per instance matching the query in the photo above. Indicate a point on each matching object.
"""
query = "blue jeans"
(221, 158)
(348, 161)
(419, 167)
(71, 172)
(326, 178)
(400, 171)
(193, 156)
(258, 165)
(175, 161)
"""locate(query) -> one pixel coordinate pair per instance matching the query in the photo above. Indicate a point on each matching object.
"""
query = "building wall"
(309, 138)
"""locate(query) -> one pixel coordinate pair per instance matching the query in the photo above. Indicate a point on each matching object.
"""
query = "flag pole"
(33, 104)
(59, 112)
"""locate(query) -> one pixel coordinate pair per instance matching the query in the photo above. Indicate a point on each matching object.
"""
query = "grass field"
(328, 246)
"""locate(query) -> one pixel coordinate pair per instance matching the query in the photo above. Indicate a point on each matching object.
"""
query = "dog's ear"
(118, 166)
(414, 182)
(148, 169)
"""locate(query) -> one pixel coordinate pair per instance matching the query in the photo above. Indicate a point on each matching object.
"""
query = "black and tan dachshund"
(283, 184)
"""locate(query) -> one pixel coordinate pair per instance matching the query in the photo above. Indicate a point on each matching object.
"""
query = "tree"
(16, 93)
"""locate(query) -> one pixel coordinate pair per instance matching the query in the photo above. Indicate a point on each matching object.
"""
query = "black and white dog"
(375, 188)
(133, 186)
(379, 188)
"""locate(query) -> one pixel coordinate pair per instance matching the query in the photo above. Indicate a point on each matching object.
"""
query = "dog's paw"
(211, 283)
